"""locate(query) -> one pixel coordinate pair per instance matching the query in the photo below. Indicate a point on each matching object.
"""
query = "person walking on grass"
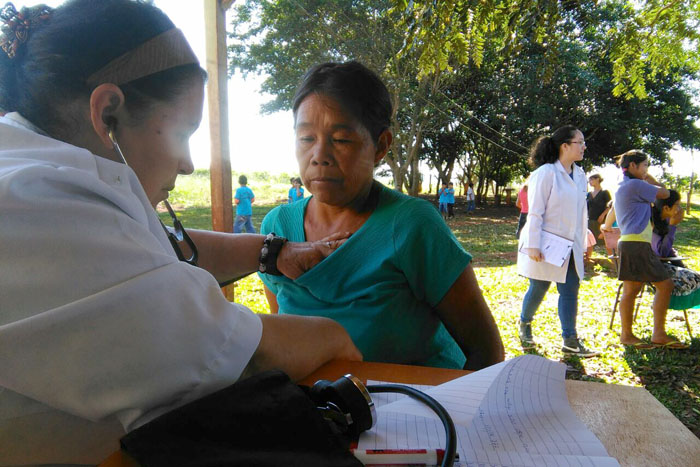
(442, 200)
(557, 205)
(470, 198)
(450, 200)
(244, 200)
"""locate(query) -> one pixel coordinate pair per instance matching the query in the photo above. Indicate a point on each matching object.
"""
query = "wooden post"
(220, 166)
(217, 95)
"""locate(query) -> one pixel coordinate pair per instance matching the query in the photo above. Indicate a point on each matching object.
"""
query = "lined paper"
(515, 413)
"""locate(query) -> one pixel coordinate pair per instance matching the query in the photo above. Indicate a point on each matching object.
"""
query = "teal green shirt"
(383, 283)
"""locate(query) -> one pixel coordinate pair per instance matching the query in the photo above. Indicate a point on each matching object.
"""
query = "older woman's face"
(335, 152)
(158, 149)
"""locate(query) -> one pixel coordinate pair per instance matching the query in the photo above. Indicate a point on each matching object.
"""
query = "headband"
(162, 52)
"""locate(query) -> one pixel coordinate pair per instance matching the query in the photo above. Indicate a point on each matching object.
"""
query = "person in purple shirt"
(666, 215)
(638, 263)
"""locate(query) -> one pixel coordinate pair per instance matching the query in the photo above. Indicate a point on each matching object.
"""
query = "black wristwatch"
(269, 252)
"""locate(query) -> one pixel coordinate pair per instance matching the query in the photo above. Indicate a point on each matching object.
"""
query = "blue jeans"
(568, 300)
(243, 222)
(470, 205)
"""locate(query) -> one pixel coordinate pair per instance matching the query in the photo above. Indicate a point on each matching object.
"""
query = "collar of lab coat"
(576, 170)
(23, 141)
(23, 144)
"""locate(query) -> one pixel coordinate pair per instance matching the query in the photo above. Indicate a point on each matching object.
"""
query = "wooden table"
(632, 425)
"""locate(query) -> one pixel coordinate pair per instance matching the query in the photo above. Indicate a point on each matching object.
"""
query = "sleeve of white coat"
(97, 319)
(538, 193)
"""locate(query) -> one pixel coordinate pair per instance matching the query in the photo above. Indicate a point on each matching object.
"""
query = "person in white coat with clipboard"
(552, 241)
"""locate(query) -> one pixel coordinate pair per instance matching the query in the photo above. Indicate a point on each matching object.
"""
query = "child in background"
(442, 200)
(450, 200)
(521, 203)
(296, 192)
(244, 200)
(470, 198)
(666, 215)
(638, 263)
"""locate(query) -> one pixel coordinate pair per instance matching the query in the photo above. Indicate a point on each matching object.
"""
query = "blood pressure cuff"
(265, 420)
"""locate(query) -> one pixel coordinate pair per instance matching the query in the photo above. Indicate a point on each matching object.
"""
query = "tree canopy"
(647, 38)
(474, 83)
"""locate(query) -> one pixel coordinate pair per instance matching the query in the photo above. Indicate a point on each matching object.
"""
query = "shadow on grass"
(575, 369)
(673, 377)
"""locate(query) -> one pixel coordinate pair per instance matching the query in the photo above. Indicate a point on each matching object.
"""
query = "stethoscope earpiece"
(115, 145)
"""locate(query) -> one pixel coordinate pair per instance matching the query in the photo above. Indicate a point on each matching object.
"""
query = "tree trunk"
(692, 182)
(415, 178)
(690, 193)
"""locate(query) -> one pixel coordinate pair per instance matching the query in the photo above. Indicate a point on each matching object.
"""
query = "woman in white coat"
(557, 202)
(102, 328)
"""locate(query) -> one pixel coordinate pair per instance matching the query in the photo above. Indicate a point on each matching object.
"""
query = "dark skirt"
(639, 263)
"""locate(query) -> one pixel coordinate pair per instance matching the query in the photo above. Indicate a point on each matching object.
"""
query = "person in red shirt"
(521, 203)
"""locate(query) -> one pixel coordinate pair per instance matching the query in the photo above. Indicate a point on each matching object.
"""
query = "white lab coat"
(557, 205)
(101, 327)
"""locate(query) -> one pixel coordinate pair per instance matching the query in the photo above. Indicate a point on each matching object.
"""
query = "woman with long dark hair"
(557, 206)
(666, 215)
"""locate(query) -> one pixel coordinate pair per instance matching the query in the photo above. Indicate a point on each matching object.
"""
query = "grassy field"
(673, 377)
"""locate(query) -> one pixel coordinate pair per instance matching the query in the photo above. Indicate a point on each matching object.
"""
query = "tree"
(507, 72)
(654, 38)
(286, 37)
(511, 100)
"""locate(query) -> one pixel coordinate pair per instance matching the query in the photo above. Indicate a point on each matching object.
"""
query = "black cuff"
(269, 252)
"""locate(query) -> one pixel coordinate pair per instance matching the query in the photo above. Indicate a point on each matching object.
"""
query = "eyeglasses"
(176, 234)
(582, 143)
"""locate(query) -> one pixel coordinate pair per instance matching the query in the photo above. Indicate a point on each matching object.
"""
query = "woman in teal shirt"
(401, 285)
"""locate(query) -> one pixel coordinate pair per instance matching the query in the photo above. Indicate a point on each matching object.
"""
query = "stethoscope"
(177, 232)
(347, 405)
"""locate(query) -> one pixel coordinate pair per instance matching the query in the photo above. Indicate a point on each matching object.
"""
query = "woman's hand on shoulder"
(296, 258)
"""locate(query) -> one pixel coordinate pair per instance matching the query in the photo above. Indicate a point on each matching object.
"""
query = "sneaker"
(525, 333)
(573, 346)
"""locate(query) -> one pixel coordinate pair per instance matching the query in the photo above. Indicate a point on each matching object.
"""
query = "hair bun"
(17, 25)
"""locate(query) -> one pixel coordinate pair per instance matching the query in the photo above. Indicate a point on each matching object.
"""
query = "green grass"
(673, 377)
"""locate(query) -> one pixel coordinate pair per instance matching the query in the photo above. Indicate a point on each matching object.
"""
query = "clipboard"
(554, 248)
